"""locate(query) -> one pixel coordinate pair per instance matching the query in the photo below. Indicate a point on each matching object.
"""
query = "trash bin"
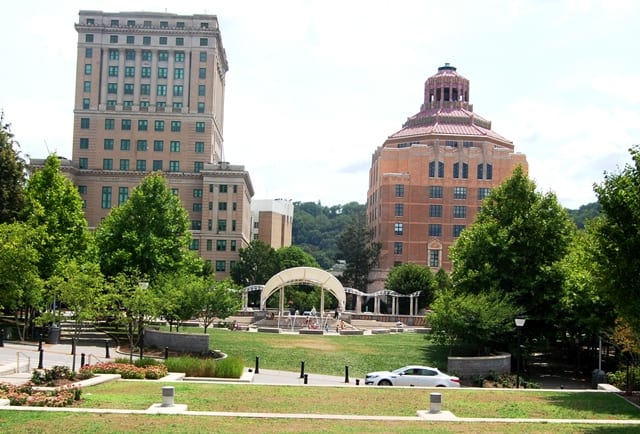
(53, 337)
(598, 376)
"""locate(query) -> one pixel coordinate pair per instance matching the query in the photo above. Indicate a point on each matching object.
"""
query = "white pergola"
(303, 275)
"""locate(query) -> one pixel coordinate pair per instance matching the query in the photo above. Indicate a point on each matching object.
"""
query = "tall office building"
(273, 221)
(427, 181)
(150, 91)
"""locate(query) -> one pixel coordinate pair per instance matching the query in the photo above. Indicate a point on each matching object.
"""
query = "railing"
(18, 362)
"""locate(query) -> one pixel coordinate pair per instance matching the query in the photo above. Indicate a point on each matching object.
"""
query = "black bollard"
(357, 381)
(257, 371)
(40, 344)
(166, 353)
(302, 369)
(73, 346)
(106, 349)
(346, 374)
(1, 337)
(306, 379)
(82, 356)
(40, 361)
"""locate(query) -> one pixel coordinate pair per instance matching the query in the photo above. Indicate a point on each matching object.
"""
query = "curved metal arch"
(252, 288)
(306, 275)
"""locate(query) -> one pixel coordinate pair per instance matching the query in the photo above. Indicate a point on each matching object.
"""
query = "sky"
(315, 87)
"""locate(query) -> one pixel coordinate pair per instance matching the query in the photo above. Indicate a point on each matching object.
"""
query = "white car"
(413, 375)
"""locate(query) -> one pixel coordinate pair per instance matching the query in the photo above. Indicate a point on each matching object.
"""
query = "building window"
(221, 266)
(141, 145)
(83, 163)
(145, 89)
(197, 192)
(107, 164)
(86, 86)
(147, 55)
(196, 225)
(199, 147)
(180, 25)
(179, 41)
(435, 210)
(198, 166)
(178, 73)
(163, 72)
(176, 126)
(202, 90)
(158, 145)
(209, 245)
(129, 71)
(82, 189)
(223, 188)
(109, 124)
(232, 247)
(113, 72)
(114, 54)
(195, 244)
(158, 125)
(125, 124)
(398, 228)
(115, 23)
(435, 230)
(108, 144)
(161, 90)
(87, 69)
(124, 164)
(141, 165)
(199, 127)
(125, 144)
(434, 258)
(222, 225)
(163, 56)
(146, 40)
(84, 123)
(459, 192)
(178, 90)
(201, 107)
(174, 146)
(485, 174)
(197, 207)
(459, 211)
(457, 229)
(131, 39)
(143, 125)
(203, 56)
(106, 198)
(88, 37)
(399, 209)
(157, 165)
(84, 143)
(113, 39)
(179, 56)
(436, 169)
(221, 245)
(397, 248)
(88, 52)
(130, 54)
(123, 195)
(399, 190)
(86, 103)
(483, 192)
(112, 87)
(163, 40)
(174, 166)
(222, 206)
(465, 170)
(202, 73)
(233, 225)
(111, 104)
(435, 191)
(204, 42)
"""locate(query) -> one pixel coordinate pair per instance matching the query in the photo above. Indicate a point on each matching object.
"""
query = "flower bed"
(25, 395)
(126, 371)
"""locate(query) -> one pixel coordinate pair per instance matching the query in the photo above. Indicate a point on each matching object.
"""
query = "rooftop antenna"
(47, 146)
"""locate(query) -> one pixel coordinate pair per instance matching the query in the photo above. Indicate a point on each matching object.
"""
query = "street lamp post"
(519, 324)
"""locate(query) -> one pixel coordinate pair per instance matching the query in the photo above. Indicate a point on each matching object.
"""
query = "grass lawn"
(328, 354)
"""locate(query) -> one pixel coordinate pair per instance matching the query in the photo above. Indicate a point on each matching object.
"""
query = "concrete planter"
(468, 367)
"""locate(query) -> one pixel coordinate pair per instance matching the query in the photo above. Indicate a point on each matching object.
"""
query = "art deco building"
(427, 181)
(150, 90)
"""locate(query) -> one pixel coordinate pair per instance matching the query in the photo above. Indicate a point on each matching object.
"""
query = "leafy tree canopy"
(12, 176)
(410, 278)
(148, 234)
(514, 247)
(258, 262)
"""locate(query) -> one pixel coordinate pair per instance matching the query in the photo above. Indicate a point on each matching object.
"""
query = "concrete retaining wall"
(181, 342)
(473, 366)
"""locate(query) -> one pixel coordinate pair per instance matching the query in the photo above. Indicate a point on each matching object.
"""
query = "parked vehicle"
(412, 375)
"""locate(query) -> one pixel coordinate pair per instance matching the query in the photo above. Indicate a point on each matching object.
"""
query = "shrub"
(619, 378)
(146, 361)
(230, 367)
(126, 370)
(191, 366)
(47, 377)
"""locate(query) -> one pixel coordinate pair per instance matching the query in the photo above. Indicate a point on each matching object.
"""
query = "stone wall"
(467, 367)
(181, 342)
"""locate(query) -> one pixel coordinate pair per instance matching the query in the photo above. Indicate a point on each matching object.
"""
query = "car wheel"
(384, 383)
(441, 385)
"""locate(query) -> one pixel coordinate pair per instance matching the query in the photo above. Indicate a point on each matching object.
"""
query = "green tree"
(20, 283)
(54, 204)
(359, 251)
(148, 235)
(515, 247)
(410, 278)
(221, 300)
(618, 239)
(12, 176)
(477, 323)
(258, 262)
(292, 256)
(181, 295)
